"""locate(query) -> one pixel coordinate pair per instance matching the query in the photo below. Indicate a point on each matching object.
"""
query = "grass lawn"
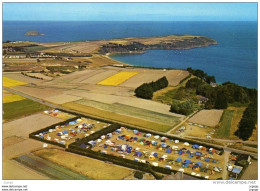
(117, 117)
(21, 108)
(223, 131)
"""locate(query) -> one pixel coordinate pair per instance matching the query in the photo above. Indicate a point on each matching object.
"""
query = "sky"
(130, 11)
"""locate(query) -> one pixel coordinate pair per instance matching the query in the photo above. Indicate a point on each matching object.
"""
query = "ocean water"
(233, 59)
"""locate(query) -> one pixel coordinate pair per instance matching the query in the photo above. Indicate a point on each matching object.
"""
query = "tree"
(193, 83)
(184, 108)
(138, 175)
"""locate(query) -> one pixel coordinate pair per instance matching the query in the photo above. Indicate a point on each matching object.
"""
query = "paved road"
(226, 159)
(222, 140)
(155, 132)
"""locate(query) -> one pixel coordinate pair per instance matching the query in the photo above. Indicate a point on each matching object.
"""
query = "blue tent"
(187, 161)
(207, 159)
(135, 138)
(105, 146)
(214, 161)
(164, 145)
(118, 130)
(168, 150)
(65, 132)
(195, 166)
(72, 123)
(199, 163)
(128, 150)
(139, 154)
(198, 154)
(83, 145)
(135, 131)
(178, 159)
(188, 151)
(154, 143)
(155, 154)
(191, 155)
(180, 152)
(195, 146)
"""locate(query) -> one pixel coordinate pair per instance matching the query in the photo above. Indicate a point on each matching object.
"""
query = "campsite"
(133, 144)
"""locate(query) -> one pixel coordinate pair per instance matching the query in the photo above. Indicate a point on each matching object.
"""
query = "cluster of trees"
(202, 75)
(146, 90)
(220, 96)
(248, 122)
(184, 108)
(229, 93)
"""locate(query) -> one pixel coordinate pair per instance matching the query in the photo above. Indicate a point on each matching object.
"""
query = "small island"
(33, 33)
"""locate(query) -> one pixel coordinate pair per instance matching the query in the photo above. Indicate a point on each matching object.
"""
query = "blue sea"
(233, 59)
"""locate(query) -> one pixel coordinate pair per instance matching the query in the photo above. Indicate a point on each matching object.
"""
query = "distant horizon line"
(125, 21)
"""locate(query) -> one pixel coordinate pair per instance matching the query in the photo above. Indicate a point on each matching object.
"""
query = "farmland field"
(117, 117)
(117, 79)
(48, 168)
(133, 112)
(7, 82)
(207, 117)
(12, 98)
(21, 108)
(94, 169)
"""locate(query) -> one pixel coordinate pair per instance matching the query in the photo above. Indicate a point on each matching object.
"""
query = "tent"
(191, 155)
(195, 146)
(179, 159)
(151, 157)
(154, 163)
(199, 163)
(198, 154)
(155, 154)
(181, 170)
(103, 137)
(168, 150)
(214, 161)
(135, 131)
(154, 143)
(164, 145)
(180, 152)
(139, 154)
(168, 167)
(175, 147)
(83, 145)
(148, 135)
(136, 160)
(104, 152)
(207, 159)
(65, 132)
(176, 141)
(135, 138)
(105, 146)
(156, 136)
(188, 151)
(118, 130)
(186, 144)
(187, 161)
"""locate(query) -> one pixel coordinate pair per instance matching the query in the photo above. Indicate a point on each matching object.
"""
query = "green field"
(133, 112)
(35, 48)
(125, 119)
(21, 108)
(223, 131)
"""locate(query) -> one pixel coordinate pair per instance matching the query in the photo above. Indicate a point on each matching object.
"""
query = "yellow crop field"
(117, 79)
(7, 82)
(12, 98)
